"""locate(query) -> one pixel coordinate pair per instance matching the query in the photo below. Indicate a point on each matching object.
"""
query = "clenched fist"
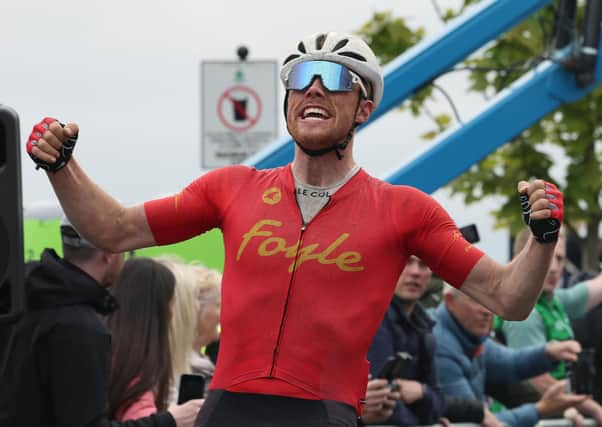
(50, 144)
(543, 209)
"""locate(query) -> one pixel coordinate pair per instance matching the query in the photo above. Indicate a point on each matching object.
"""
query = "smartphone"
(581, 374)
(192, 386)
(395, 366)
(470, 233)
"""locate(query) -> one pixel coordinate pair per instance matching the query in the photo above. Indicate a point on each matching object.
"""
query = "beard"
(316, 139)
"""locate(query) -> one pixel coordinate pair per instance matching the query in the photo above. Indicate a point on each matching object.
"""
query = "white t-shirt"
(311, 198)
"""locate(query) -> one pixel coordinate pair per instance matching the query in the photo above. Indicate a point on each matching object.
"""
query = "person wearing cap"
(313, 249)
(59, 355)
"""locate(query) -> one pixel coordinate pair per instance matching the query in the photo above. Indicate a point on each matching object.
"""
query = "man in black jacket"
(407, 328)
(59, 353)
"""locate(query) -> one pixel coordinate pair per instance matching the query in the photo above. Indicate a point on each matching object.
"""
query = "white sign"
(239, 112)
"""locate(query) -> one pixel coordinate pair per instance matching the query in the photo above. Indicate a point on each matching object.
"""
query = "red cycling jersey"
(301, 302)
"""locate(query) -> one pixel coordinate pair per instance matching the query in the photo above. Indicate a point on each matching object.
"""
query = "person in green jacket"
(551, 319)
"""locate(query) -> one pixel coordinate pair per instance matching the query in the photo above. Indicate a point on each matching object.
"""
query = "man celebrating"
(307, 279)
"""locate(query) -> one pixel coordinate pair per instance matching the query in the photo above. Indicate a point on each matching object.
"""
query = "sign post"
(239, 113)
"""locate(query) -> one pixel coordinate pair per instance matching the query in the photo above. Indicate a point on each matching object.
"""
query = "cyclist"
(312, 249)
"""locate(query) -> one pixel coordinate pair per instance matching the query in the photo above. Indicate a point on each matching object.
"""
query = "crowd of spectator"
(107, 342)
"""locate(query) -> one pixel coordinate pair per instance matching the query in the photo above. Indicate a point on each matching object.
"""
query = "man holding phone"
(403, 351)
(551, 320)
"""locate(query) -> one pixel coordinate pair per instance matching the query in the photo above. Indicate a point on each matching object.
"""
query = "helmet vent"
(354, 56)
(301, 47)
(340, 44)
(320, 41)
(290, 58)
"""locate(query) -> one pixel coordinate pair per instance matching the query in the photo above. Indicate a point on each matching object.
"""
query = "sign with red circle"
(239, 108)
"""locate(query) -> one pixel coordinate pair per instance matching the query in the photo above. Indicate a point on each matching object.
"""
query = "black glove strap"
(544, 230)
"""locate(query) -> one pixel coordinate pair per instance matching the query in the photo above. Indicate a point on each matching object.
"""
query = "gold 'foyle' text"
(274, 245)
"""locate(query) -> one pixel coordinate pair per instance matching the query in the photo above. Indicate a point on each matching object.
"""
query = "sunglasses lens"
(335, 77)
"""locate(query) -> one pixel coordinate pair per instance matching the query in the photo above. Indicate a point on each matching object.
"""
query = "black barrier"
(11, 219)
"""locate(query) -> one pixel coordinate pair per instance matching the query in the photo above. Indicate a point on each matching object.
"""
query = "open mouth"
(315, 113)
(413, 286)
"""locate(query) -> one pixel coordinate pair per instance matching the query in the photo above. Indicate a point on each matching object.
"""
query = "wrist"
(547, 351)
(542, 409)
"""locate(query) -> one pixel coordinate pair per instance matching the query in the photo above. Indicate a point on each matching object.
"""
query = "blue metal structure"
(512, 111)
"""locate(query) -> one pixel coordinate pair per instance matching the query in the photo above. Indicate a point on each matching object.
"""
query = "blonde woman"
(208, 319)
(195, 320)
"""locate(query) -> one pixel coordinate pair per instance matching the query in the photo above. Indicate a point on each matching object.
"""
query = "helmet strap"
(337, 148)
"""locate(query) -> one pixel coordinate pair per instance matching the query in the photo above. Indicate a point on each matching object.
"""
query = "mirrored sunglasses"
(334, 77)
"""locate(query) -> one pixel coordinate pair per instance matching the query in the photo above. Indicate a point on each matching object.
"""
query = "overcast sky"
(128, 72)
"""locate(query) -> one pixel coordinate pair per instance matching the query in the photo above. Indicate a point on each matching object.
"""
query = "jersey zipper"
(290, 285)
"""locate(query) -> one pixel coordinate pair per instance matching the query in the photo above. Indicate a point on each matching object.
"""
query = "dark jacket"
(59, 356)
(412, 335)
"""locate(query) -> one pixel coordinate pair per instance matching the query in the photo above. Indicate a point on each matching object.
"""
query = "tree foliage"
(571, 133)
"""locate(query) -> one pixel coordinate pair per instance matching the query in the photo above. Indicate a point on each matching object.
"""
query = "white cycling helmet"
(346, 49)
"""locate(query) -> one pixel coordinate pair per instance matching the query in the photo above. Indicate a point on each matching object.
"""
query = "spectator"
(59, 356)
(466, 359)
(407, 327)
(141, 370)
(552, 315)
(208, 323)
(195, 321)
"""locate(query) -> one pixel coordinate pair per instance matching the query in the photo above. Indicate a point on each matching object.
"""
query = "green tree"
(573, 131)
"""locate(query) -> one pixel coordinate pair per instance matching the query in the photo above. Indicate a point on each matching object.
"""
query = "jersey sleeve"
(197, 208)
(437, 240)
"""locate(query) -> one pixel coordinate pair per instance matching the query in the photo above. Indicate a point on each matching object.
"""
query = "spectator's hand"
(411, 391)
(444, 422)
(592, 409)
(554, 401)
(490, 420)
(563, 350)
(573, 415)
(186, 413)
(50, 144)
(380, 402)
(543, 209)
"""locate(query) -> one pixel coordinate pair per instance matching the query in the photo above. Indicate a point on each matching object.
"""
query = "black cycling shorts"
(227, 409)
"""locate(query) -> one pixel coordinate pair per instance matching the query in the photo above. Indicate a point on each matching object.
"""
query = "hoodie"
(59, 352)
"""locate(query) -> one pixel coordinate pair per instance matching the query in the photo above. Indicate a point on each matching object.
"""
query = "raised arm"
(95, 214)
(511, 290)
